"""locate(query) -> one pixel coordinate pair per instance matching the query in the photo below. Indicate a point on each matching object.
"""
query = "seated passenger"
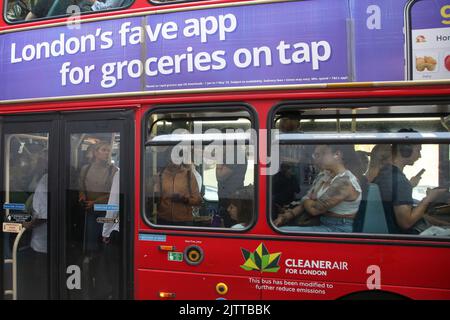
(97, 5)
(230, 177)
(177, 192)
(380, 155)
(336, 200)
(364, 160)
(240, 207)
(396, 190)
(40, 9)
(298, 209)
(285, 187)
(17, 10)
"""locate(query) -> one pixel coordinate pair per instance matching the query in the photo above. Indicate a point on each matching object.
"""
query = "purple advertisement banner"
(430, 39)
(428, 14)
(378, 40)
(260, 45)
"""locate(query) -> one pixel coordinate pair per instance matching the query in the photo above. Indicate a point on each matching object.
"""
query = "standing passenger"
(178, 192)
(96, 179)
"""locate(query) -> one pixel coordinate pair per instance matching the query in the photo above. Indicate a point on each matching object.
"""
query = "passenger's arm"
(288, 215)
(406, 216)
(341, 189)
(195, 198)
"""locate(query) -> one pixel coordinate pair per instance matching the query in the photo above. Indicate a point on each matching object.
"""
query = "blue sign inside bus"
(261, 45)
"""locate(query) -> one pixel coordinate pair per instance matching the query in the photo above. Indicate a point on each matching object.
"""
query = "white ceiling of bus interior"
(342, 111)
(198, 114)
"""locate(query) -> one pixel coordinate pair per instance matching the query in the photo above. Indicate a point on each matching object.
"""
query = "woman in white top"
(337, 200)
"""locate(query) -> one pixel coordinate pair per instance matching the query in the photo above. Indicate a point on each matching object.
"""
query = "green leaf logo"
(261, 260)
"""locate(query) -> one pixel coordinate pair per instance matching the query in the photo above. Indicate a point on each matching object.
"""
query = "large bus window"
(199, 170)
(356, 170)
(27, 10)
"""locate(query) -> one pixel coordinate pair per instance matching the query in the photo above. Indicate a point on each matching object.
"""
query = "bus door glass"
(24, 211)
(94, 208)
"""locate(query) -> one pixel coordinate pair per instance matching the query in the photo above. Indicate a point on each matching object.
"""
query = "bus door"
(96, 169)
(63, 206)
(25, 149)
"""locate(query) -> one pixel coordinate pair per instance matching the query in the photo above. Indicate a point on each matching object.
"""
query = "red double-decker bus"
(225, 149)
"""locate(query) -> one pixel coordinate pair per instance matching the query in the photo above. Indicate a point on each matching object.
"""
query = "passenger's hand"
(279, 221)
(178, 198)
(106, 240)
(415, 180)
(27, 224)
(88, 204)
(82, 197)
(283, 218)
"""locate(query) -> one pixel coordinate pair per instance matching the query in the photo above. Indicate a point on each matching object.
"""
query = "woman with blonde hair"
(380, 155)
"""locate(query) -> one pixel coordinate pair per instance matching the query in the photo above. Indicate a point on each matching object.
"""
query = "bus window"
(25, 190)
(199, 170)
(27, 10)
(351, 170)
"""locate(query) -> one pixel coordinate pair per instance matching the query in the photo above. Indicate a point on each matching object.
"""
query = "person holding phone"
(396, 189)
(416, 179)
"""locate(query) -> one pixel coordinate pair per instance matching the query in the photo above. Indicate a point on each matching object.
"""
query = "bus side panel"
(321, 270)
(220, 255)
(193, 286)
(292, 269)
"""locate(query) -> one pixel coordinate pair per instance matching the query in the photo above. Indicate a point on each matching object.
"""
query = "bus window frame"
(192, 108)
(350, 104)
(24, 22)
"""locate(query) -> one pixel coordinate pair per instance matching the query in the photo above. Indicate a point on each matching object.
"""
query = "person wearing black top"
(285, 186)
(396, 190)
(39, 10)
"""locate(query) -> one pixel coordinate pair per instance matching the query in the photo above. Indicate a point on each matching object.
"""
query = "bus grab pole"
(14, 263)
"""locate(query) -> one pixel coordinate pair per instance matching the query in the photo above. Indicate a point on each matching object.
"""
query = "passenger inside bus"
(96, 5)
(17, 10)
(27, 10)
(95, 182)
(380, 155)
(364, 160)
(301, 217)
(285, 188)
(177, 193)
(33, 255)
(111, 241)
(337, 199)
(240, 207)
(39, 9)
(397, 191)
(230, 175)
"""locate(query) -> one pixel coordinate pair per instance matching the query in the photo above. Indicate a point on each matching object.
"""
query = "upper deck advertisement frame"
(263, 45)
